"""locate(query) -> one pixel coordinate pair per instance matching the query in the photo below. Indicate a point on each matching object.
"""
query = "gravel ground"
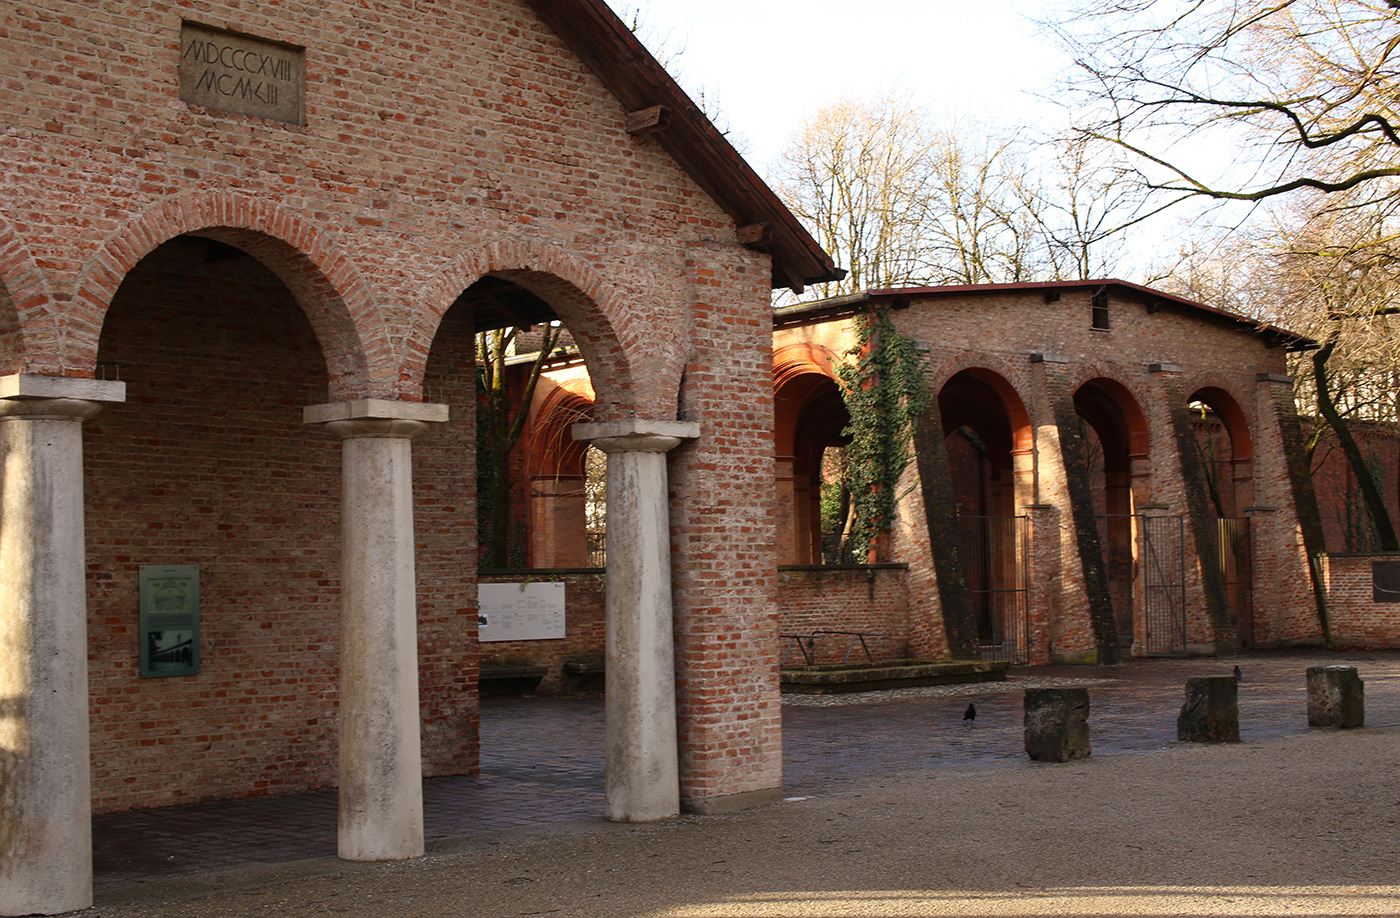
(1301, 825)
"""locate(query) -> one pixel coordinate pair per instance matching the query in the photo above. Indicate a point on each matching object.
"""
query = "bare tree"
(1301, 93)
(899, 200)
(1333, 274)
(502, 421)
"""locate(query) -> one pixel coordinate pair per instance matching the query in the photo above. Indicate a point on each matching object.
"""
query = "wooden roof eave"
(638, 81)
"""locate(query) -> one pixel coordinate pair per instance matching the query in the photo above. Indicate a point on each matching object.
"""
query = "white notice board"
(520, 611)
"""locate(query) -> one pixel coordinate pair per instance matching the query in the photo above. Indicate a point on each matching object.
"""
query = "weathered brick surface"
(1356, 619)
(874, 600)
(1134, 379)
(441, 142)
(208, 463)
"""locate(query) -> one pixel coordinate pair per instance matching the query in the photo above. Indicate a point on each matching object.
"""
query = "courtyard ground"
(895, 807)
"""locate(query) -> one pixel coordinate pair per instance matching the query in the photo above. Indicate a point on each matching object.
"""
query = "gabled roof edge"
(594, 32)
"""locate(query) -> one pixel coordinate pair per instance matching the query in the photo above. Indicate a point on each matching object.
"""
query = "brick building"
(1105, 470)
(243, 251)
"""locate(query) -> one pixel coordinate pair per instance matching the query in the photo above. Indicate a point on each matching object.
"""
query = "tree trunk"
(1366, 482)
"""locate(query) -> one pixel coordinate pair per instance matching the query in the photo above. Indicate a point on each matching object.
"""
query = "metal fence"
(1235, 555)
(598, 549)
(1162, 554)
(994, 553)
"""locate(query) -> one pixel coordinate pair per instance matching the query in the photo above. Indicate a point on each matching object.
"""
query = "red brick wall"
(999, 332)
(1344, 519)
(830, 598)
(208, 463)
(724, 570)
(1357, 620)
(441, 142)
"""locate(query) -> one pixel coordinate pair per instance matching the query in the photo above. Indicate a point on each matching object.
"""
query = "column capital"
(375, 417)
(636, 435)
(32, 397)
(28, 386)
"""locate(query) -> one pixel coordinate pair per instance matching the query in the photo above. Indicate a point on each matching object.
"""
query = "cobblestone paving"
(542, 758)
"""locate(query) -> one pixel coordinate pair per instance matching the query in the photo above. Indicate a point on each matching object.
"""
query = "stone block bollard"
(1211, 713)
(1057, 724)
(1336, 697)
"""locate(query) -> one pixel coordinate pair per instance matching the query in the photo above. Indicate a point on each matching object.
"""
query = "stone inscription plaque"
(239, 73)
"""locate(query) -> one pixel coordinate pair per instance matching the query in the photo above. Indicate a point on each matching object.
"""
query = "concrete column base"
(45, 787)
(642, 770)
(381, 772)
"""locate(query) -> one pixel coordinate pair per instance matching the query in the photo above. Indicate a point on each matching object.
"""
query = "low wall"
(1363, 600)
(871, 598)
(583, 625)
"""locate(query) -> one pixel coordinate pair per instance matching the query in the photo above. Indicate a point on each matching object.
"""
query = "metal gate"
(994, 553)
(1162, 555)
(1235, 553)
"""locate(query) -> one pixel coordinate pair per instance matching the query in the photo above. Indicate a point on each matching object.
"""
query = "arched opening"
(208, 466)
(987, 434)
(545, 517)
(1225, 451)
(809, 419)
(1116, 447)
(558, 493)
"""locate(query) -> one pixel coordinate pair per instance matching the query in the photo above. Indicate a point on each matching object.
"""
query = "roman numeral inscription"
(239, 73)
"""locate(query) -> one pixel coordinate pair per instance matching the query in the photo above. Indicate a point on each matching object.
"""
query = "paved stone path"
(542, 757)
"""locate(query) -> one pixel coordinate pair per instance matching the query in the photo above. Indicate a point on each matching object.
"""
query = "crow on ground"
(970, 714)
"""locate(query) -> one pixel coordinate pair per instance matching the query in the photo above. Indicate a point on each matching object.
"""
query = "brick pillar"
(46, 816)
(1283, 482)
(945, 537)
(642, 781)
(724, 574)
(1065, 485)
(1215, 634)
(381, 772)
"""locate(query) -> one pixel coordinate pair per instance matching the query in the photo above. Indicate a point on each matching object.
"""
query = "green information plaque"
(169, 620)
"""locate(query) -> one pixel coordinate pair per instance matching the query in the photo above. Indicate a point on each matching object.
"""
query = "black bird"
(1239, 676)
(970, 714)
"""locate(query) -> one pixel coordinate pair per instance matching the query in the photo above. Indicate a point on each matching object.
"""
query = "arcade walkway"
(542, 757)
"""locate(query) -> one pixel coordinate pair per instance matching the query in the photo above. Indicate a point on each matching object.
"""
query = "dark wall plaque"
(239, 73)
(1385, 580)
(169, 630)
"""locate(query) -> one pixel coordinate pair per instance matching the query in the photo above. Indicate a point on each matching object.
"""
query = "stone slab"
(1336, 697)
(1057, 724)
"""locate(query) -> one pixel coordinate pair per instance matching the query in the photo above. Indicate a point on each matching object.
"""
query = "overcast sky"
(772, 63)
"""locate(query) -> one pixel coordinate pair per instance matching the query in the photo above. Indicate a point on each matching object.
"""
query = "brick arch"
(809, 414)
(1116, 412)
(996, 374)
(29, 334)
(1231, 414)
(793, 360)
(325, 283)
(552, 449)
(625, 381)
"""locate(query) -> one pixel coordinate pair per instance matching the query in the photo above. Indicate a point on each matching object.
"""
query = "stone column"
(381, 772)
(643, 777)
(45, 792)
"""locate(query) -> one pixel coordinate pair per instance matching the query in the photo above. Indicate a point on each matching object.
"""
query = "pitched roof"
(1273, 335)
(615, 55)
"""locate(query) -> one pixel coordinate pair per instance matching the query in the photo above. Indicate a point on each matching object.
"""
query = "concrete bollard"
(1336, 697)
(1057, 724)
(1211, 713)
